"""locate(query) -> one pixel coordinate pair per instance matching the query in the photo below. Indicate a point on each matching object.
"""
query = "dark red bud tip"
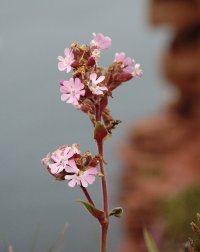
(94, 162)
(61, 82)
(124, 76)
(85, 108)
(75, 64)
(91, 62)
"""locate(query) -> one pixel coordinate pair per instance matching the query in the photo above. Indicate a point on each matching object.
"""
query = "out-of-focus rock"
(161, 155)
(181, 62)
(179, 14)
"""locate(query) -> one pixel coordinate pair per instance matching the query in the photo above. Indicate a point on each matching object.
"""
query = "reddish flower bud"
(61, 82)
(94, 162)
(91, 62)
(85, 108)
(124, 76)
(75, 64)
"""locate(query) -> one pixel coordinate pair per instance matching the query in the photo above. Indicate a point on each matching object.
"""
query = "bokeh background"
(34, 121)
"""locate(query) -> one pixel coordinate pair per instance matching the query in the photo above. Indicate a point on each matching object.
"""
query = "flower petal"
(72, 183)
(73, 165)
(65, 97)
(90, 179)
(78, 84)
(61, 66)
(92, 170)
(127, 61)
(67, 52)
(100, 79)
(54, 168)
(93, 77)
(84, 182)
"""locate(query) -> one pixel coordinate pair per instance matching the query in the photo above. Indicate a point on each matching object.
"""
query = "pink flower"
(126, 65)
(121, 57)
(65, 63)
(93, 85)
(79, 177)
(71, 91)
(137, 73)
(100, 41)
(126, 61)
(60, 159)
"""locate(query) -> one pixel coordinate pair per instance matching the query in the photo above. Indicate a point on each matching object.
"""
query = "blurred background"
(34, 121)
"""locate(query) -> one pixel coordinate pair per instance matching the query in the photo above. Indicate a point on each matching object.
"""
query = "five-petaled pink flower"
(93, 85)
(81, 178)
(126, 61)
(65, 63)
(71, 91)
(60, 159)
(137, 73)
(100, 41)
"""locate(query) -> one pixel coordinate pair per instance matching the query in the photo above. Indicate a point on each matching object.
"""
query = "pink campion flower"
(137, 73)
(79, 177)
(71, 91)
(126, 61)
(65, 63)
(100, 41)
(60, 159)
(121, 57)
(93, 85)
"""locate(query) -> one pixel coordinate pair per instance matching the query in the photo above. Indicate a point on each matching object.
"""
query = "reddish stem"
(103, 179)
(104, 232)
(105, 222)
(87, 195)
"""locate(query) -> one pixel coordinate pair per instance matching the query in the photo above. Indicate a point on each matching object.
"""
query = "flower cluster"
(90, 83)
(67, 163)
(88, 90)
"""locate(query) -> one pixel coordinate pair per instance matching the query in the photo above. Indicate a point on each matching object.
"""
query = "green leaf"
(151, 246)
(100, 132)
(117, 212)
(97, 213)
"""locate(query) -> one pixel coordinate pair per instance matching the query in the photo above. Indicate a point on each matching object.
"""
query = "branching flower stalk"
(88, 90)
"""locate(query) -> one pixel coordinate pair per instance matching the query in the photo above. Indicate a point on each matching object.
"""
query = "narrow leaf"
(151, 246)
(97, 213)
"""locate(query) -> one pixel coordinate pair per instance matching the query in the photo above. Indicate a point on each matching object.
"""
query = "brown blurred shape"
(161, 157)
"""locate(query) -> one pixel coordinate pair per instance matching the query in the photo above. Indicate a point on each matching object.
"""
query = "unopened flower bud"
(75, 64)
(91, 62)
(94, 162)
(61, 82)
(124, 76)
